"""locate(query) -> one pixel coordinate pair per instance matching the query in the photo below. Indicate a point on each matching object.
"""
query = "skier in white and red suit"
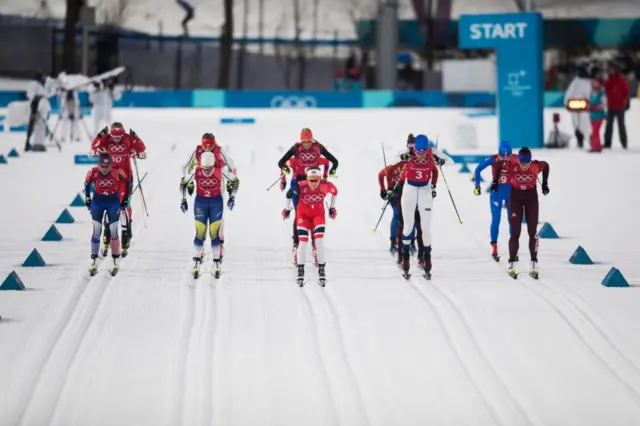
(310, 215)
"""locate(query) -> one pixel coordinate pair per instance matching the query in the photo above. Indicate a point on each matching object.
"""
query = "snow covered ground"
(471, 347)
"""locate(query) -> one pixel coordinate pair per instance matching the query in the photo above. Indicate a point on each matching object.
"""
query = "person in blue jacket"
(496, 199)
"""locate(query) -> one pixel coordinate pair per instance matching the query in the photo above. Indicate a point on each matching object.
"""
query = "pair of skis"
(217, 272)
(93, 270)
(533, 273)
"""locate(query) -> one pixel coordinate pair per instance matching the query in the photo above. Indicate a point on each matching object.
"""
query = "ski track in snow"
(594, 339)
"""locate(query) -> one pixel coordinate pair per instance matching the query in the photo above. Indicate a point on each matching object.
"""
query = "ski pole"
(384, 156)
(381, 215)
(450, 195)
(144, 201)
(138, 185)
(276, 181)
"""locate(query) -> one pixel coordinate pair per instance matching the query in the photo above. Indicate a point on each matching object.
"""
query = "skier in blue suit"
(496, 199)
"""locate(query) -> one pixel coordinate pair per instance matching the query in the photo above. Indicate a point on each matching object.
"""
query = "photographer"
(102, 98)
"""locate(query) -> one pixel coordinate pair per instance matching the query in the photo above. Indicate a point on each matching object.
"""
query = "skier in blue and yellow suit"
(496, 199)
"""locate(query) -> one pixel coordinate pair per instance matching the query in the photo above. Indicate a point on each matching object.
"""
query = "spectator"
(618, 99)
(189, 15)
(597, 106)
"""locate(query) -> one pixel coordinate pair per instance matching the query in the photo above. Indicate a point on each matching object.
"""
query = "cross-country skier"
(208, 207)
(418, 191)
(522, 174)
(306, 153)
(107, 200)
(500, 199)
(290, 163)
(209, 144)
(310, 217)
(121, 146)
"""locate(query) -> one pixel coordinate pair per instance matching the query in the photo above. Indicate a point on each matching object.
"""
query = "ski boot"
(494, 251)
(94, 268)
(196, 266)
(393, 249)
(405, 264)
(300, 279)
(426, 264)
(534, 271)
(126, 240)
(512, 270)
(116, 263)
(216, 268)
(322, 277)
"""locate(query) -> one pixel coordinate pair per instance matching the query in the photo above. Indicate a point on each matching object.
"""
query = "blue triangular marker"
(34, 260)
(2, 159)
(465, 168)
(12, 282)
(52, 234)
(580, 257)
(13, 153)
(547, 231)
(77, 202)
(614, 279)
(65, 217)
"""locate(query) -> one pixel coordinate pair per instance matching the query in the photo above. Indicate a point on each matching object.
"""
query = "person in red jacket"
(618, 98)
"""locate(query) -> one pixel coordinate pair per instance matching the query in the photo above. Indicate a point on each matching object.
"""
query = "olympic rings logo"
(117, 148)
(307, 156)
(524, 178)
(105, 183)
(312, 199)
(418, 160)
(209, 182)
(294, 102)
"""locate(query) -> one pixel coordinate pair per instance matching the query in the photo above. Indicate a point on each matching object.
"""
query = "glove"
(190, 187)
(87, 202)
(494, 186)
(133, 134)
(103, 132)
(383, 194)
(545, 189)
(333, 213)
(405, 156)
(231, 203)
(477, 190)
(124, 203)
(285, 214)
(286, 170)
(229, 187)
(142, 155)
(332, 172)
(183, 184)
(184, 206)
(433, 191)
(283, 185)
(439, 161)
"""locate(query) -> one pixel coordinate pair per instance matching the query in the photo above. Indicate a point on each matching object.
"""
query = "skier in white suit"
(102, 98)
(580, 90)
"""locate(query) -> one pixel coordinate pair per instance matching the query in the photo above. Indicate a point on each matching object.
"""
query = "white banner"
(469, 75)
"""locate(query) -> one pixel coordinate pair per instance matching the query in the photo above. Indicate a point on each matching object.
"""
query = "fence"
(175, 62)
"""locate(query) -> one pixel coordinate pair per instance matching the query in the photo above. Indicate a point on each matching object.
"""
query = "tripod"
(64, 108)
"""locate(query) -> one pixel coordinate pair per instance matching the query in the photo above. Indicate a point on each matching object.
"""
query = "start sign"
(509, 30)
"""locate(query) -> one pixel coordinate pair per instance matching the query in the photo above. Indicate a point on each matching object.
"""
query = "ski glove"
(383, 194)
(142, 155)
(439, 161)
(87, 202)
(283, 184)
(285, 214)
(190, 187)
(184, 206)
(494, 186)
(433, 191)
(477, 190)
(286, 170)
(332, 172)
(103, 132)
(333, 213)
(545, 189)
(405, 156)
(183, 184)
(133, 134)
(124, 204)
(231, 203)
